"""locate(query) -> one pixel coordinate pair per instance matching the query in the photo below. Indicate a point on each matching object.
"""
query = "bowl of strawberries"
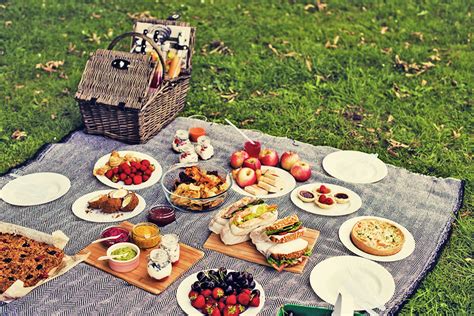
(221, 292)
(130, 170)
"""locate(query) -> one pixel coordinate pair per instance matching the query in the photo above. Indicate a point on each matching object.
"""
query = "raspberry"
(128, 181)
(115, 170)
(109, 174)
(329, 201)
(145, 178)
(145, 162)
(123, 176)
(148, 172)
(137, 179)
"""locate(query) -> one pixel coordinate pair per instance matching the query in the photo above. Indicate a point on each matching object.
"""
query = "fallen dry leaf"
(51, 66)
(62, 75)
(399, 92)
(291, 54)
(218, 47)
(229, 97)
(273, 49)
(387, 50)
(94, 38)
(332, 45)
(53, 116)
(321, 6)
(95, 15)
(318, 110)
(396, 144)
(412, 69)
(309, 64)
(19, 86)
(140, 15)
(256, 93)
(370, 130)
(310, 7)
(384, 30)
(19, 135)
(71, 48)
(406, 45)
(8, 23)
(423, 82)
(247, 122)
(390, 118)
(418, 35)
(457, 133)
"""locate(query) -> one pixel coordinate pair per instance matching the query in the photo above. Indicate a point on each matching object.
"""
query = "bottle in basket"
(181, 140)
(170, 243)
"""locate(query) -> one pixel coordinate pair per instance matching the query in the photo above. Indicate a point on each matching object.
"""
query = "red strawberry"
(329, 201)
(123, 176)
(323, 189)
(247, 291)
(193, 295)
(208, 308)
(115, 170)
(231, 310)
(241, 308)
(211, 300)
(322, 198)
(128, 181)
(243, 299)
(216, 312)
(199, 302)
(221, 306)
(145, 178)
(255, 301)
(109, 174)
(231, 300)
(137, 179)
(217, 293)
(206, 293)
(145, 162)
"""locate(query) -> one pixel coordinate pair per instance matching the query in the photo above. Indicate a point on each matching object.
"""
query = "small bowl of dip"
(161, 215)
(146, 235)
(128, 261)
(111, 231)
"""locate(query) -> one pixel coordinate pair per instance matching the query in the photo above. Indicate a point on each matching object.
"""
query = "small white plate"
(286, 177)
(328, 276)
(355, 166)
(345, 237)
(80, 209)
(352, 206)
(185, 304)
(35, 189)
(155, 176)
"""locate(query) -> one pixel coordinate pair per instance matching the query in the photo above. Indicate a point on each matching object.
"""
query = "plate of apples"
(261, 177)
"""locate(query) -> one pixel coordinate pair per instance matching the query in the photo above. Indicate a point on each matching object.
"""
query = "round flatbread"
(377, 237)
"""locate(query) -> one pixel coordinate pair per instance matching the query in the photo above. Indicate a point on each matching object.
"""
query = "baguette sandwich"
(223, 216)
(281, 242)
(245, 221)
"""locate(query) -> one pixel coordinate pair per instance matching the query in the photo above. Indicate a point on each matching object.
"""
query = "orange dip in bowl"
(146, 235)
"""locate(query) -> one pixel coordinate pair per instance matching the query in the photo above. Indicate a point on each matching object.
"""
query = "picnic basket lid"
(117, 78)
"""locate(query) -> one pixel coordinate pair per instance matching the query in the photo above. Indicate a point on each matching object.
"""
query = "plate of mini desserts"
(326, 199)
(108, 206)
(271, 182)
(376, 238)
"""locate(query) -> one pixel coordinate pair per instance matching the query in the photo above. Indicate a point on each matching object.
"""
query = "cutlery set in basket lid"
(131, 96)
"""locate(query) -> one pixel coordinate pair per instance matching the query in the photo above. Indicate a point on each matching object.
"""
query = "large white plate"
(155, 176)
(287, 179)
(185, 304)
(80, 209)
(355, 166)
(35, 189)
(368, 277)
(345, 237)
(352, 206)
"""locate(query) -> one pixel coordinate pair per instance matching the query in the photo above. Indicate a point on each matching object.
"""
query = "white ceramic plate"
(368, 277)
(155, 176)
(35, 189)
(80, 209)
(345, 237)
(352, 206)
(185, 304)
(287, 179)
(355, 166)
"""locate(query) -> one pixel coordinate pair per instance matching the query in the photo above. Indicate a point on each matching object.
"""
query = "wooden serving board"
(139, 277)
(247, 251)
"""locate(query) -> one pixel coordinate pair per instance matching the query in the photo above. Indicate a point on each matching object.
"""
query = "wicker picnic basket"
(115, 101)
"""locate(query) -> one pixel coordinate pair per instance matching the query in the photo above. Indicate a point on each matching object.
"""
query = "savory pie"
(377, 237)
(25, 259)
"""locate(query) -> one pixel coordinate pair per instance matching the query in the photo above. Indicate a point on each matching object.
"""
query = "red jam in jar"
(115, 231)
(161, 215)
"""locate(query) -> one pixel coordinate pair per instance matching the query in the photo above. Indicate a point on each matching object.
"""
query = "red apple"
(288, 159)
(268, 157)
(301, 171)
(252, 163)
(237, 159)
(245, 177)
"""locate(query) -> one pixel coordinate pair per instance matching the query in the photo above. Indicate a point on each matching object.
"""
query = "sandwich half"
(224, 215)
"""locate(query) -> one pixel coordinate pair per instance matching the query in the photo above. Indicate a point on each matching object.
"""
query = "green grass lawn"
(328, 77)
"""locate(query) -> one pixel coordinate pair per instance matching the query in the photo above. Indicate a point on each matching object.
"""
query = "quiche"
(377, 237)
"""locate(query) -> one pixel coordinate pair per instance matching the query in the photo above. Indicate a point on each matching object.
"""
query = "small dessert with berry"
(306, 196)
(322, 189)
(325, 202)
(341, 198)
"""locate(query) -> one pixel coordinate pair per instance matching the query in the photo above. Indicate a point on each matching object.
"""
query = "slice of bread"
(283, 222)
(255, 190)
(289, 250)
(279, 239)
(268, 187)
(377, 237)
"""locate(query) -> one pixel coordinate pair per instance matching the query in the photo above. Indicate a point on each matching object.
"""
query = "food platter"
(287, 180)
(353, 205)
(35, 189)
(344, 236)
(370, 284)
(154, 178)
(81, 209)
(183, 300)
(355, 166)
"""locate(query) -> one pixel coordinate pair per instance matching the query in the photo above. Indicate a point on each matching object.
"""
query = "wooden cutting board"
(139, 277)
(247, 251)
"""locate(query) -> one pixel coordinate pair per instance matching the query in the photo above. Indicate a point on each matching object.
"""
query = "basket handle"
(146, 38)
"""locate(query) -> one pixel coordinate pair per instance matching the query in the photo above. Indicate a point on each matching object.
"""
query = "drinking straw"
(240, 132)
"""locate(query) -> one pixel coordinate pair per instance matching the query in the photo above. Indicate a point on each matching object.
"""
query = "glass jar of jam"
(146, 235)
(161, 215)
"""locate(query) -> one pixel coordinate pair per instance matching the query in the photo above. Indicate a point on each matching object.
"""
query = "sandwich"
(281, 242)
(243, 222)
(223, 216)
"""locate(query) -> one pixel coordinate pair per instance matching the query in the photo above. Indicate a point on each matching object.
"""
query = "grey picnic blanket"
(424, 205)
